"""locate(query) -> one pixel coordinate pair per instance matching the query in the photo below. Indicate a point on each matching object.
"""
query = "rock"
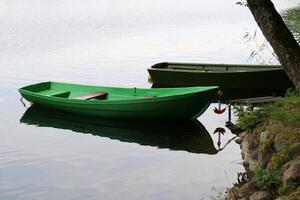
(249, 150)
(292, 196)
(245, 164)
(254, 154)
(266, 137)
(245, 150)
(233, 128)
(277, 161)
(238, 140)
(286, 165)
(232, 193)
(264, 156)
(283, 141)
(253, 141)
(266, 148)
(291, 176)
(253, 164)
(261, 195)
(243, 134)
(295, 149)
(247, 189)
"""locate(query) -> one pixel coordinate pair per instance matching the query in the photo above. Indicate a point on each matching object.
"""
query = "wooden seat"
(92, 95)
(149, 96)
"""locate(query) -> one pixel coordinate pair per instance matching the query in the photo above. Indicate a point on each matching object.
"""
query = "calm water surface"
(112, 43)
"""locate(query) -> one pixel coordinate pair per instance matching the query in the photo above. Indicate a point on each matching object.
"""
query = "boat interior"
(215, 67)
(84, 92)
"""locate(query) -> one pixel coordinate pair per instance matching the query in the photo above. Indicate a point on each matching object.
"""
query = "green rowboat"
(113, 102)
(227, 76)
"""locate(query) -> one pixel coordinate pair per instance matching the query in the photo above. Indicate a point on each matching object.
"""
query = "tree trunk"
(279, 36)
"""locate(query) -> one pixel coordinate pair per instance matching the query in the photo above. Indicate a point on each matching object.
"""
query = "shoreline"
(271, 154)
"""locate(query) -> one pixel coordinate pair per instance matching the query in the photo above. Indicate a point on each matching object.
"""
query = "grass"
(286, 110)
(247, 118)
(267, 179)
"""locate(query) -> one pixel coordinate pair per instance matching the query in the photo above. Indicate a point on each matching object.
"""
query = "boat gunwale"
(211, 71)
(162, 65)
(114, 101)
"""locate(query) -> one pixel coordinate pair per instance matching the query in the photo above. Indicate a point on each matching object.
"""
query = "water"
(112, 43)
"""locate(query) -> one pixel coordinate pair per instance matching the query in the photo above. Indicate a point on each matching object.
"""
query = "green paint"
(188, 102)
(227, 76)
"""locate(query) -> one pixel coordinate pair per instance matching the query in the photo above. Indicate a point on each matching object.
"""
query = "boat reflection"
(187, 135)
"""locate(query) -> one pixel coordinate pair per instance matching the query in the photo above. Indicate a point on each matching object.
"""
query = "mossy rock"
(291, 176)
(277, 161)
(289, 163)
(264, 156)
(266, 140)
(284, 190)
(253, 141)
(261, 127)
(292, 196)
(290, 136)
(285, 139)
(266, 145)
(294, 149)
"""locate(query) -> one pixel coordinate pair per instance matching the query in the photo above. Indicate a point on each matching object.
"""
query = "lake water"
(112, 43)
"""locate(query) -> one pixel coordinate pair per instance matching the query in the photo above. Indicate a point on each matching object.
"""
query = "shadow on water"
(187, 135)
(228, 95)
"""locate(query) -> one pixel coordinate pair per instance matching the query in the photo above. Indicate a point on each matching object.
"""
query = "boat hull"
(236, 77)
(190, 105)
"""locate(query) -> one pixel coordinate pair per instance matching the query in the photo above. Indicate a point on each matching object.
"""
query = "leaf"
(254, 35)
(246, 35)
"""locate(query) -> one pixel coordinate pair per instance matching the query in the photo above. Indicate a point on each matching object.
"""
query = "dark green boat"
(227, 76)
(183, 135)
(112, 102)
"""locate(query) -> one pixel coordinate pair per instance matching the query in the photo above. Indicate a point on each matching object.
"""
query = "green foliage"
(267, 179)
(247, 117)
(262, 51)
(292, 19)
(290, 92)
(283, 189)
(286, 110)
(292, 118)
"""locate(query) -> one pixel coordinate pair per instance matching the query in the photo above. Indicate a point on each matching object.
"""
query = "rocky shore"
(271, 157)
